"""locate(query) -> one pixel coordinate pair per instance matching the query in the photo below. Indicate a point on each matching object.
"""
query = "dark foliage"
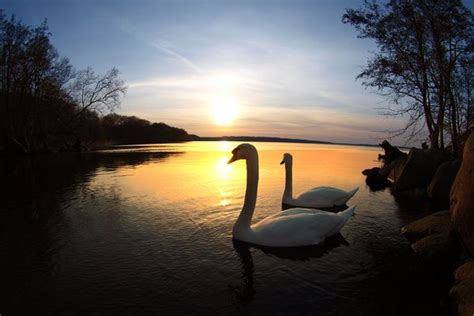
(133, 130)
(46, 105)
(423, 63)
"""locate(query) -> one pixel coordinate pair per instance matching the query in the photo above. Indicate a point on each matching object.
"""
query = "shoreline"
(195, 138)
(445, 235)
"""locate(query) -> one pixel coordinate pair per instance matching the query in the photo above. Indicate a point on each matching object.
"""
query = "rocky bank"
(448, 183)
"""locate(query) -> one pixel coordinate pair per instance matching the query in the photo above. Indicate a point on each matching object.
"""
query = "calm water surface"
(147, 229)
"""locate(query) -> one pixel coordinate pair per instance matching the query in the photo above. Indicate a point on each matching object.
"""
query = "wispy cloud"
(150, 40)
(177, 56)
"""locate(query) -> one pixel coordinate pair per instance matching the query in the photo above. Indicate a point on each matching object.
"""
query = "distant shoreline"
(279, 140)
(191, 138)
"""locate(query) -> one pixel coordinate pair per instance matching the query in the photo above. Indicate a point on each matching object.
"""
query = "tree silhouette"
(423, 62)
(31, 77)
(45, 103)
(96, 93)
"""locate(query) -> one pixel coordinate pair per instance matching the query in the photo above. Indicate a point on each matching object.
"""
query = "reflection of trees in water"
(414, 202)
(113, 160)
(33, 227)
(246, 292)
(30, 179)
(37, 184)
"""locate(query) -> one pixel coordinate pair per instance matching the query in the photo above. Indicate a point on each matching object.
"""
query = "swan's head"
(287, 159)
(243, 151)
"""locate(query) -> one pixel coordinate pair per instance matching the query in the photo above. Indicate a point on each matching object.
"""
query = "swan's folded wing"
(324, 196)
(294, 211)
(297, 229)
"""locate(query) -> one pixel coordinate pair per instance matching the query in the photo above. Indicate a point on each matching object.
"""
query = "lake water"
(147, 229)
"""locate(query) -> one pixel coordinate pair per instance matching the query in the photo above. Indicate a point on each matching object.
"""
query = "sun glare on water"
(224, 111)
(223, 169)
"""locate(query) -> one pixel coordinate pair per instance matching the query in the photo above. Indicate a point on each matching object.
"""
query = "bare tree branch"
(97, 93)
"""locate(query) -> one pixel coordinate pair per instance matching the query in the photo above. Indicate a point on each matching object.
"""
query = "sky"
(274, 68)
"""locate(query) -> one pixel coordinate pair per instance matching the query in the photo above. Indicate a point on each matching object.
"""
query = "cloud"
(177, 56)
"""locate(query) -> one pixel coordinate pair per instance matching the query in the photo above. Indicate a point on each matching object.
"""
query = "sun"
(224, 110)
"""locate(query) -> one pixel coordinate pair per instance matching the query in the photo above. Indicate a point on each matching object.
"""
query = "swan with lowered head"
(319, 197)
(291, 228)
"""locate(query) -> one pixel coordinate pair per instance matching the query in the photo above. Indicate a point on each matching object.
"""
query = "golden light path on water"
(214, 191)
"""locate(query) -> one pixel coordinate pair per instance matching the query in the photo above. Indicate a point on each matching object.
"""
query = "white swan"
(290, 228)
(319, 197)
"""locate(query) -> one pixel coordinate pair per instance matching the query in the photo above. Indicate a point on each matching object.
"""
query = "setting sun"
(224, 111)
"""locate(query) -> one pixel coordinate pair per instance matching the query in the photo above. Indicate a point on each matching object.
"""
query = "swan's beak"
(282, 162)
(231, 160)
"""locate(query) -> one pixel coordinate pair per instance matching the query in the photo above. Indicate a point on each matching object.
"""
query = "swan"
(291, 228)
(319, 197)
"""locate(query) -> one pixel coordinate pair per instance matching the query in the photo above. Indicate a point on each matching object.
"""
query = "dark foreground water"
(148, 230)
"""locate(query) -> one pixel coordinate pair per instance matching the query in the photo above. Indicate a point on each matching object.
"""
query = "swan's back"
(325, 197)
(294, 211)
(299, 227)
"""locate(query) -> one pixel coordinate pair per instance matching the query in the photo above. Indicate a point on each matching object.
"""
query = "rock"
(437, 246)
(434, 224)
(391, 153)
(440, 185)
(462, 197)
(393, 159)
(463, 291)
(465, 271)
(419, 169)
(395, 169)
(375, 180)
(371, 172)
(432, 236)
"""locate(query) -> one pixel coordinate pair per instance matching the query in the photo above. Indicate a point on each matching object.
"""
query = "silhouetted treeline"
(121, 129)
(47, 105)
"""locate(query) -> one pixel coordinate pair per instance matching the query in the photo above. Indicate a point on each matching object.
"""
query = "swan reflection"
(245, 293)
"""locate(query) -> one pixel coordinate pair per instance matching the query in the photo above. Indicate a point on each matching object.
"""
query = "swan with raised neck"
(318, 197)
(291, 228)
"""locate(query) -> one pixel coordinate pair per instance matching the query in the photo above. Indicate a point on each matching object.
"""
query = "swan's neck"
(245, 217)
(288, 193)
